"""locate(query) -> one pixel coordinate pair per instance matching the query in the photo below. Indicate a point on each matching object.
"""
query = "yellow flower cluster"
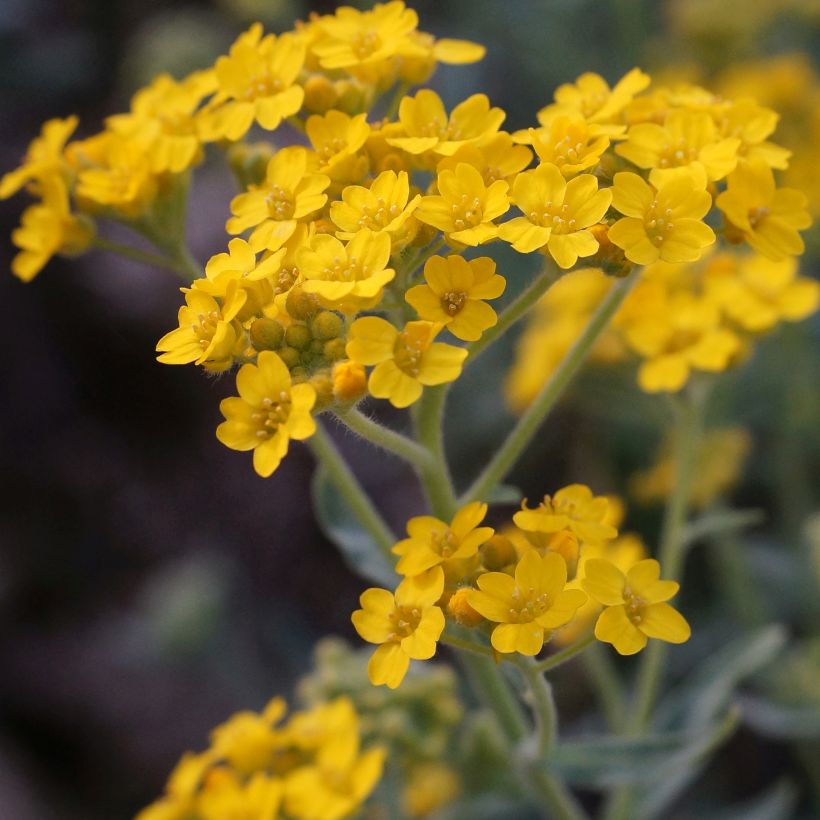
(311, 767)
(352, 250)
(545, 576)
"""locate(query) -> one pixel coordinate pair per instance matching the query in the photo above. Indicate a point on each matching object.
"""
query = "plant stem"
(435, 476)
(381, 436)
(154, 260)
(521, 435)
(607, 685)
(351, 490)
(558, 658)
(462, 643)
(514, 311)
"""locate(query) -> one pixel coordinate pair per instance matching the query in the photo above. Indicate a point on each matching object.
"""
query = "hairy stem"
(435, 476)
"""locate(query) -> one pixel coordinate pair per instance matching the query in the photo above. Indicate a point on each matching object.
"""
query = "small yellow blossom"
(466, 206)
(384, 206)
(663, 220)
(405, 360)
(454, 294)
(268, 412)
(290, 192)
(529, 605)
(430, 786)
(686, 138)
(227, 796)
(433, 542)
(428, 128)
(636, 607)
(557, 214)
(406, 624)
(347, 278)
(768, 218)
(208, 333)
(336, 138)
(255, 83)
(494, 157)
(247, 739)
(570, 143)
(349, 381)
(751, 124)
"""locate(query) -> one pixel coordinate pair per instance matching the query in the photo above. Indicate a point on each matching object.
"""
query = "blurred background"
(150, 582)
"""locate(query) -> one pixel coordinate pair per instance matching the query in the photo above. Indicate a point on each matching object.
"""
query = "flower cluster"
(309, 767)
(352, 250)
(545, 576)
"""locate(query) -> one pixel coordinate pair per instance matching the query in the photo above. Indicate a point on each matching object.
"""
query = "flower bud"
(497, 553)
(349, 381)
(289, 355)
(301, 305)
(266, 334)
(320, 94)
(335, 349)
(458, 607)
(326, 325)
(298, 336)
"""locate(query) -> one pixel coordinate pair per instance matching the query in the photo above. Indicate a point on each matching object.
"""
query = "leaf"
(775, 803)
(339, 524)
(782, 721)
(709, 688)
(723, 521)
(602, 762)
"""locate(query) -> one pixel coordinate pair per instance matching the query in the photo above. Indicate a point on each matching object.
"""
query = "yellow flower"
(384, 206)
(494, 157)
(433, 542)
(164, 119)
(405, 360)
(349, 381)
(428, 128)
(429, 787)
(636, 607)
(687, 334)
(527, 606)
(557, 214)
(44, 156)
(336, 138)
(686, 138)
(289, 193)
(208, 333)
(267, 413)
(255, 84)
(407, 625)
(751, 124)
(756, 292)
(570, 143)
(227, 796)
(454, 292)
(592, 97)
(347, 278)
(48, 228)
(247, 740)
(574, 509)
(240, 263)
(768, 218)
(466, 207)
(662, 220)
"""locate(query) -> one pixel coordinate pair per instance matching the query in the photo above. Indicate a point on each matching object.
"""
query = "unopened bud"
(458, 607)
(349, 381)
(335, 349)
(301, 305)
(326, 325)
(497, 553)
(298, 336)
(266, 334)
(320, 94)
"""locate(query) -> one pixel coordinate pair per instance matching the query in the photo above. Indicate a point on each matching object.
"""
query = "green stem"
(435, 476)
(351, 490)
(154, 260)
(514, 311)
(527, 426)
(608, 687)
(381, 436)
(559, 658)
(462, 643)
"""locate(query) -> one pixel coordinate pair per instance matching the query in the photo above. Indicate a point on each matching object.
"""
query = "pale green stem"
(463, 643)
(385, 438)
(154, 260)
(559, 658)
(608, 686)
(435, 477)
(688, 431)
(514, 311)
(351, 490)
(527, 426)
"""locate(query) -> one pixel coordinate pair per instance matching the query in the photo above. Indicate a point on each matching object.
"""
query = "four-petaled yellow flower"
(768, 218)
(569, 142)
(466, 206)
(557, 214)
(405, 360)
(529, 605)
(636, 607)
(407, 625)
(433, 542)
(268, 412)
(661, 220)
(454, 294)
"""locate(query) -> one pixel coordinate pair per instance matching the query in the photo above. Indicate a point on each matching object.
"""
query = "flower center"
(658, 223)
(404, 621)
(206, 328)
(757, 215)
(330, 148)
(264, 85)
(466, 213)
(344, 270)
(271, 413)
(555, 216)
(453, 301)
(366, 43)
(634, 606)
(444, 543)
(378, 215)
(280, 204)
(286, 279)
(568, 150)
(527, 605)
(407, 354)
(677, 153)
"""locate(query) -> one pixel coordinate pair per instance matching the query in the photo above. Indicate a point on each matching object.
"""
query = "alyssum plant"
(356, 270)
